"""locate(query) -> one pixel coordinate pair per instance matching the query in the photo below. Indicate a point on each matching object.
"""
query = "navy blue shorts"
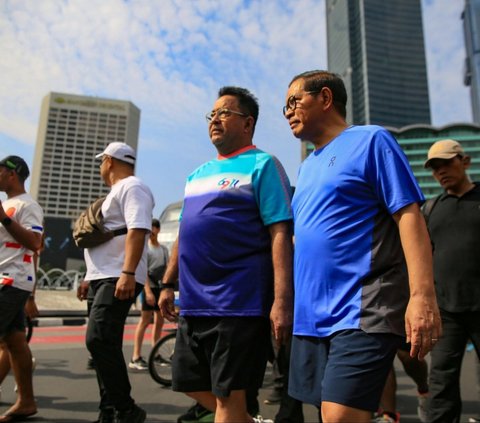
(349, 367)
(220, 354)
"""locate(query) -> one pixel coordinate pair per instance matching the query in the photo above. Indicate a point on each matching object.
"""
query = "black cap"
(17, 164)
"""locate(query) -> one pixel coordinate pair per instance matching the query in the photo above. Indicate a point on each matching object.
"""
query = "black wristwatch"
(6, 221)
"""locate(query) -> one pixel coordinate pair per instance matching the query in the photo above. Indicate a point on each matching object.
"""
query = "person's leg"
(21, 362)
(4, 362)
(157, 326)
(445, 404)
(142, 325)
(205, 398)
(388, 401)
(232, 408)
(104, 341)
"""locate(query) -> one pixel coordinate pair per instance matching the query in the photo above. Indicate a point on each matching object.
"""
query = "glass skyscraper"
(377, 47)
(471, 28)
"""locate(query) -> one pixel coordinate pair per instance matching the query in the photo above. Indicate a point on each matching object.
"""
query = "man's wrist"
(126, 272)
(170, 285)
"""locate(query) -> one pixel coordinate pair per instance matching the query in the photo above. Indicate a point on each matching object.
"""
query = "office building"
(471, 30)
(377, 47)
(65, 175)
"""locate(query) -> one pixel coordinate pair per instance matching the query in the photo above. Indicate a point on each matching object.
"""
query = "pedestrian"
(157, 259)
(233, 257)
(116, 272)
(454, 225)
(21, 231)
(358, 229)
(418, 371)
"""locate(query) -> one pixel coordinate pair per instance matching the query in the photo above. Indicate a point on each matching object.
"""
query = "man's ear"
(467, 160)
(249, 122)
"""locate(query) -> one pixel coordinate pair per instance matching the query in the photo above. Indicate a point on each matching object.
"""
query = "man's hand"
(31, 310)
(125, 287)
(82, 290)
(422, 325)
(149, 298)
(166, 303)
(281, 320)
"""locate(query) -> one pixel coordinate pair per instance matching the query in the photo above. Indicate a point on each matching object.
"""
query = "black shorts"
(12, 303)
(148, 307)
(220, 354)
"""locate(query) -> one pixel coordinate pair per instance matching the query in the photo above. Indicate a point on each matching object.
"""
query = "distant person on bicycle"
(21, 230)
(233, 257)
(157, 259)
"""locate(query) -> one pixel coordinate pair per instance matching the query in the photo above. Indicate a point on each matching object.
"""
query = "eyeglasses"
(292, 102)
(222, 114)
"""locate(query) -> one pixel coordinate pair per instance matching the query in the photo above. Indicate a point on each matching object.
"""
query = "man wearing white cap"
(116, 271)
(454, 225)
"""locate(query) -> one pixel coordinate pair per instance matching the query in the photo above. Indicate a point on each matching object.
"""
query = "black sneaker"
(106, 416)
(274, 397)
(90, 365)
(138, 364)
(197, 414)
(133, 415)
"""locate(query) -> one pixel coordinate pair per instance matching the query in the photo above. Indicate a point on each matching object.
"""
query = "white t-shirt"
(129, 204)
(16, 261)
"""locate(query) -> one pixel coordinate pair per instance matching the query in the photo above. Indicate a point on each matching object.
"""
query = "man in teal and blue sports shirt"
(233, 257)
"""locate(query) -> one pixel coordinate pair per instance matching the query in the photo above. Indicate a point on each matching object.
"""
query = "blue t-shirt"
(225, 261)
(349, 268)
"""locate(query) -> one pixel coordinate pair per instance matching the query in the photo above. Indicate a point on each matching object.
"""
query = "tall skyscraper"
(471, 30)
(377, 47)
(72, 129)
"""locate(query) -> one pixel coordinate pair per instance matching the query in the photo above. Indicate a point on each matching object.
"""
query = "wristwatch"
(6, 221)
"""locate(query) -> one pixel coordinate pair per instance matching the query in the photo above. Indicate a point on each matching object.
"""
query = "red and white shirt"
(16, 261)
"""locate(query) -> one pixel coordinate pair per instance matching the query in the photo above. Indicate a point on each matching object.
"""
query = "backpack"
(428, 206)
(89, 230)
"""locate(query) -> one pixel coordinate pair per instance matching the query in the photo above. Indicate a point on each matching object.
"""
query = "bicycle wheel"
(28, 328)
(160, 360)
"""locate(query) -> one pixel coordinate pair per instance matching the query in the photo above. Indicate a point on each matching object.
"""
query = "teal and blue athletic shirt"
(349, 268)
(225, 261)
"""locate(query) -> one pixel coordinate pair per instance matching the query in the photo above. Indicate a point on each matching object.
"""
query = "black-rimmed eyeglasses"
(293, 100)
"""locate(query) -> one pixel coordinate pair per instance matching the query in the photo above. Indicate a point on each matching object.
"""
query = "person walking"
(157, 259)
(21, 228)
(362, 264)
(233, 257)
(116, 272)
(454, 225)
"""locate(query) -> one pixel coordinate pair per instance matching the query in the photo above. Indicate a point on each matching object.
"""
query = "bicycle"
(160, 359)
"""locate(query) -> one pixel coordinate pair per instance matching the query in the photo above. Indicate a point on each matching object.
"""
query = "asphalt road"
(67, 392)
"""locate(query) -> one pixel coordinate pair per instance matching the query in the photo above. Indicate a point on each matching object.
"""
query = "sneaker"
(259, 419)
(138, 364)
(197, 414)
(90, 365)
(422, 407)
(274, 397)
(386, 418)
(133, 415)
(474, 419)
(106, 416)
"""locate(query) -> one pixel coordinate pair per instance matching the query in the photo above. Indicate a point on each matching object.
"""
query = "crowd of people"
(341, 273)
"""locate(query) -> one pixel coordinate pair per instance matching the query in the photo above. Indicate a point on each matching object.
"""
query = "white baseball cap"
(119, 151)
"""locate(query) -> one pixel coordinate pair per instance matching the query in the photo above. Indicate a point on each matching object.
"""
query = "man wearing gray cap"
(454, 225)
(116, 271)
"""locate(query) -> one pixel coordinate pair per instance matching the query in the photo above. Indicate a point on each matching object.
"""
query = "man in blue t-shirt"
(233, 258)
(362, 264)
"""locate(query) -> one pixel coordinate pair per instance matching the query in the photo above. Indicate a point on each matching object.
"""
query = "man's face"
(5, 178)
(302, 111)
(227, 129)
(104, 168)
(450, 173)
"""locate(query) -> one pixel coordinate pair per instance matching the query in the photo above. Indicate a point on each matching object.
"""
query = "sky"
(170, 57)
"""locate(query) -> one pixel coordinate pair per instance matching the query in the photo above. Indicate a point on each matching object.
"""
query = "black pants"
(445, 405)
(104, 340)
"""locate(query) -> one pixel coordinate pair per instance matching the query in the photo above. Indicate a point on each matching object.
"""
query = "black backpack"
(89, 230)
(428, 206)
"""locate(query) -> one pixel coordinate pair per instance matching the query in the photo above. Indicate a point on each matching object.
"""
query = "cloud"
(169, 58)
